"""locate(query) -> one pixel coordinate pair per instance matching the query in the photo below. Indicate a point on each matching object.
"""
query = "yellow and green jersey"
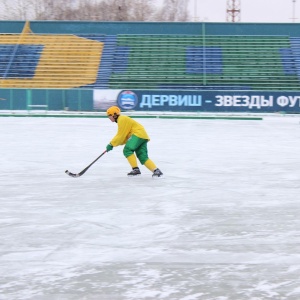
(126, 128)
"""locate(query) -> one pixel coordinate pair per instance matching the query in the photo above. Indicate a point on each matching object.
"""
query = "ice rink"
(224, 223)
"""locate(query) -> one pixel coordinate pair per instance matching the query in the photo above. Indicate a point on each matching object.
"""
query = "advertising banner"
(198, 101)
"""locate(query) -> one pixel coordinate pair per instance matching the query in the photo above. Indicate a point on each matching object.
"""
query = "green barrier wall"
(53, 99)
(77, 27)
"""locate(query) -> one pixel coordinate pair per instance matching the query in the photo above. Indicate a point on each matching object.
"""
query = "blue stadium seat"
(19, 61)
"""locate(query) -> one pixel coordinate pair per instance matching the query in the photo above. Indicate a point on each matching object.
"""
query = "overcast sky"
(278, 11)
(261, 11)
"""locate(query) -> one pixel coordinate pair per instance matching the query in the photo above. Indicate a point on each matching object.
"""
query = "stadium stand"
(48, 61)
(132, 61)
(210, 62)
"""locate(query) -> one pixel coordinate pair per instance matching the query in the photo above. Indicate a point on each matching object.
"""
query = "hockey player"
(134, 136)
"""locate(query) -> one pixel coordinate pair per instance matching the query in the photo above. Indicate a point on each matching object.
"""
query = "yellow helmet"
(113, 110)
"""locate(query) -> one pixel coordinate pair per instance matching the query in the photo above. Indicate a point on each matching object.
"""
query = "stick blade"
(72, 174)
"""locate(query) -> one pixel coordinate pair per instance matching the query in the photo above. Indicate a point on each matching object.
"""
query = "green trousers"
(137, 145)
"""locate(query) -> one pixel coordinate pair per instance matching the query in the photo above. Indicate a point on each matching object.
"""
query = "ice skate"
(134, 173)
(157, 173)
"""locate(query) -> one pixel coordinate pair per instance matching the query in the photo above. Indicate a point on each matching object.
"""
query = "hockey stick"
(84, 170)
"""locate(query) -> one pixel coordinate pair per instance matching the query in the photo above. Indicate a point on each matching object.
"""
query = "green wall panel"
(78, 27)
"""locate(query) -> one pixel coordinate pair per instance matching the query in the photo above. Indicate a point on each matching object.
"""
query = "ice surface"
(223, 224)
